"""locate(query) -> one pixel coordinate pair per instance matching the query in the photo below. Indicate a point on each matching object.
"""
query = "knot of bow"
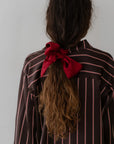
(54, 52)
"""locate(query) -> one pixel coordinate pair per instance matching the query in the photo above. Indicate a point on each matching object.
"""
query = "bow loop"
(52, 47)
(54, 52)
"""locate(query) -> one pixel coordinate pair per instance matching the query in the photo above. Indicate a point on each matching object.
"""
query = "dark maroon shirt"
(95, 83)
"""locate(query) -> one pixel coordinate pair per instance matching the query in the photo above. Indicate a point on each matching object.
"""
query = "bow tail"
(72, 67)
(47, 62)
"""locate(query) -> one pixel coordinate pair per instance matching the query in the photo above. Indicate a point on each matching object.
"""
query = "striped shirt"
(95, 84)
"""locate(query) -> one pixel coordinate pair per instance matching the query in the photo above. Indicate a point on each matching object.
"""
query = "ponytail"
(60, 101)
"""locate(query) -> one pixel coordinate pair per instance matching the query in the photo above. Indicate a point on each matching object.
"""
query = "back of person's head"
(67, 23)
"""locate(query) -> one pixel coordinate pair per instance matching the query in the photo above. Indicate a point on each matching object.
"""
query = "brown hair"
(67, 23)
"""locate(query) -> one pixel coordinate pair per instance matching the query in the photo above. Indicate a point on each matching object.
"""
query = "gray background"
(22, 31)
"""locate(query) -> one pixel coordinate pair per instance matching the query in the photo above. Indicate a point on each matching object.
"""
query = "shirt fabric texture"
(95, 83)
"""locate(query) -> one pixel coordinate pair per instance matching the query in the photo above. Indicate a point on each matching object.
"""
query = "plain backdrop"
(22, 31)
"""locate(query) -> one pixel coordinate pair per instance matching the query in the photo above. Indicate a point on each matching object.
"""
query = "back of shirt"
(95, 84)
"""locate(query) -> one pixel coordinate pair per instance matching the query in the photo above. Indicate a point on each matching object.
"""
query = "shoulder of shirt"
(100, 52)
(30, 57)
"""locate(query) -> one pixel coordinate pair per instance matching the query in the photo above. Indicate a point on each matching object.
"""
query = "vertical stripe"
(21, 129)
(77, 116)
(77, 48)
(89, 112)
(41, 121)
(25, 114)
(27, 104)
(92, 111)
(84, 44)
(81, 116)
(62, 140)
(27, 137)
(18, 108)
(113, 131)
(77, 131)
(100, 123)
(109, 124)
(85, 111)
(20, 97)
(47, 137)
(33, 126)
(54, 138)
(113, 94)
(36, 138)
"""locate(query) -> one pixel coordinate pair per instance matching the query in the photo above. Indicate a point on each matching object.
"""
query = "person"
(66, 91)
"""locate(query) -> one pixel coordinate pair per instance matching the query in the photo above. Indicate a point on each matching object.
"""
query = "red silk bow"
(54, 52)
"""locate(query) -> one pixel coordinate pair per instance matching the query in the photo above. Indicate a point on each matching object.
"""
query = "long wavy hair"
(67, 23)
